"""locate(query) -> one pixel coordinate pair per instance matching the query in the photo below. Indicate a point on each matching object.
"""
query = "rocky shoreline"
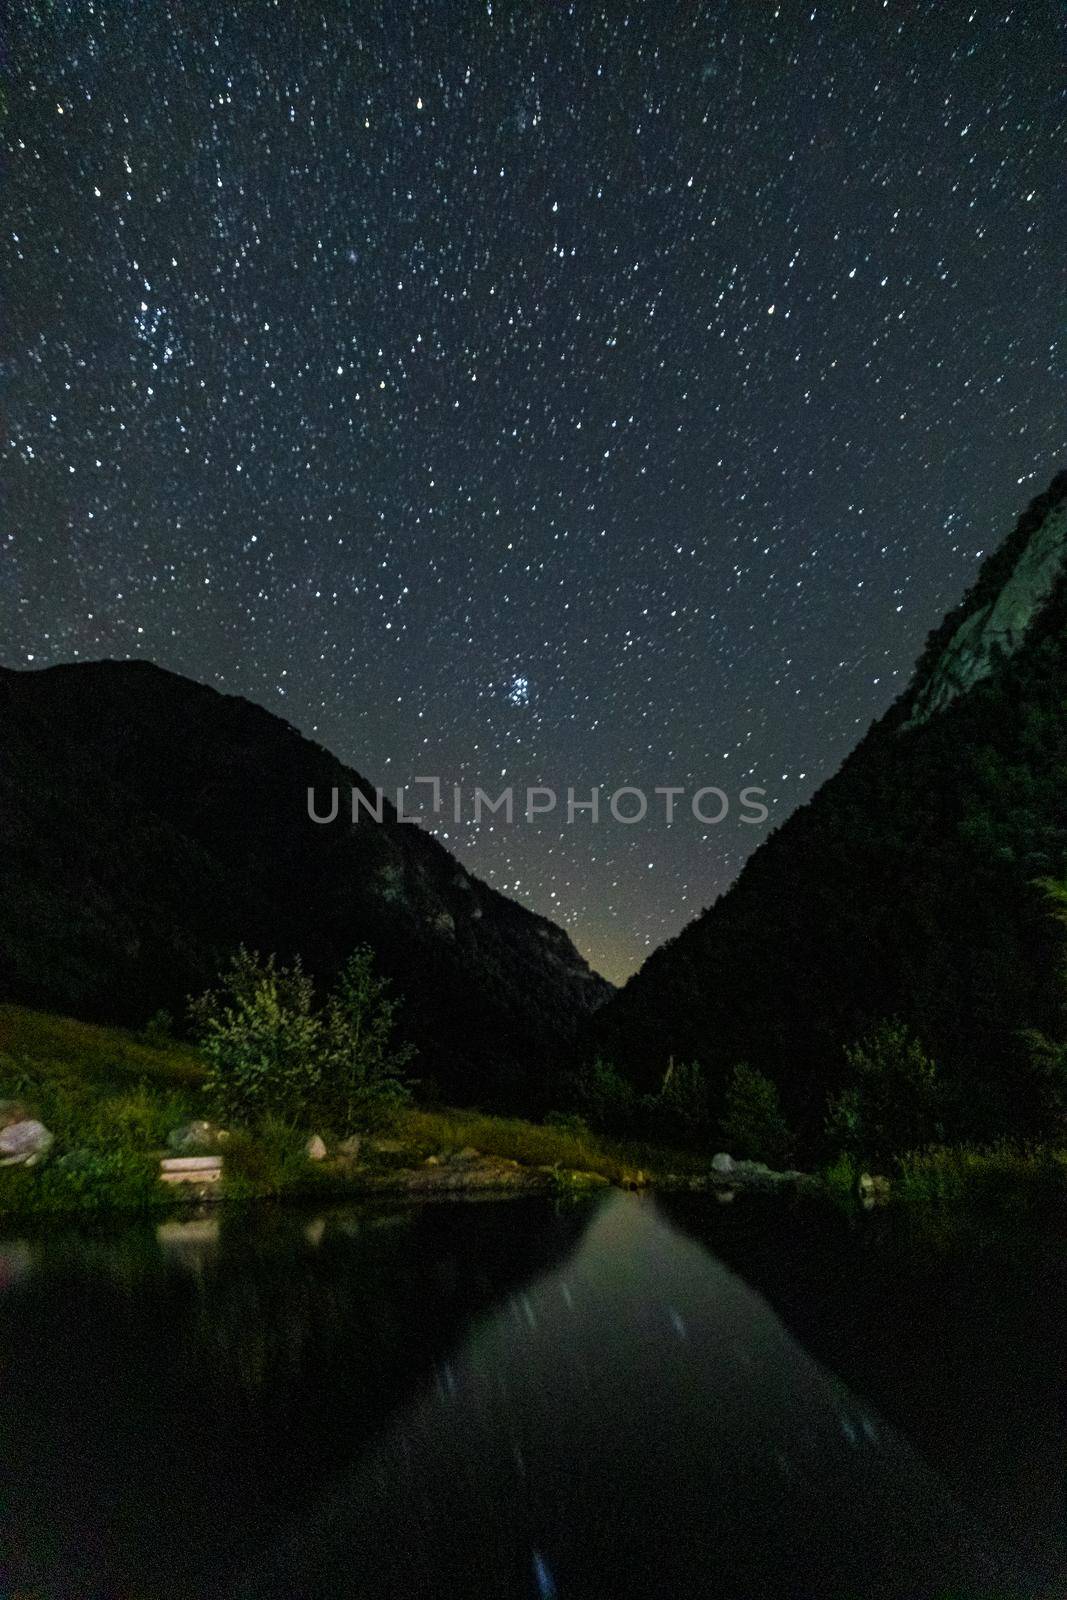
(195, 1168)
(391, 1171)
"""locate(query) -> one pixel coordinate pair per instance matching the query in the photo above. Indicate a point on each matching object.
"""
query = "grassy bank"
(79, 1053)
(110, 1098)
(1003, 1178)
(535, 1144)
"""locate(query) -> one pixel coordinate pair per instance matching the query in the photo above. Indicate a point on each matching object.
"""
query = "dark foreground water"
(625, 1398)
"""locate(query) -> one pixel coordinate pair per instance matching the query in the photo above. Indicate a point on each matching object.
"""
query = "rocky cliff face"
(996, 628)
(150, 825)
(906, 887)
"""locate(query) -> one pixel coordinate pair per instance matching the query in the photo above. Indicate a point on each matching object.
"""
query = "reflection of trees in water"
(186, 1386)
(636, 1423)
(951, 1325)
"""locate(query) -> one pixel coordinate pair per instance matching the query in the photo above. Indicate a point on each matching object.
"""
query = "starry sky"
(533, 393)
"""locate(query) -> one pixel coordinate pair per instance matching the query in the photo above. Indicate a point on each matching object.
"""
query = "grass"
(83, 1181)
(111, 1097)
(108, 1097)
(1000, 1177)
(535, 1144)
(1004, 1178)
(270, 1162)
(108, 1055)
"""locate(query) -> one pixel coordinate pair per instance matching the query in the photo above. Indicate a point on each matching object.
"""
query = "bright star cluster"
(550, 394)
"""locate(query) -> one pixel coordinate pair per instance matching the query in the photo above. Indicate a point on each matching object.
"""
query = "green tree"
(1048, 1057)
(752, 1124)
(601, 1095)
(363, 1069)
(894, 1100)
(261, 1039)
(680, 1108)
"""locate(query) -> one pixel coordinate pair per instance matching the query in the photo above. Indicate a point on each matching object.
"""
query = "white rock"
(722, 1162)
(23, 1143)
(315, 1149)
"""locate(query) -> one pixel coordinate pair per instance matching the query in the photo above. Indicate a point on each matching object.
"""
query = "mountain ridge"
(152, 823)
(904, 887)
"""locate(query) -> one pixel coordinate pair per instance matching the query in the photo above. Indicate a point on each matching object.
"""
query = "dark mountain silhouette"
(151, 824)
(906, 886)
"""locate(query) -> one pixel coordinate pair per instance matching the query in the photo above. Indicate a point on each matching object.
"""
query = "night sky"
(541, 393)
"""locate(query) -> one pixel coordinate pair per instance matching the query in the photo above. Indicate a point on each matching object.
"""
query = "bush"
(1046, 1083)
(158, 1031)
(752, 1125)
(261, 1040)
(840, 1179)
(895, 1100)
(363, 1082)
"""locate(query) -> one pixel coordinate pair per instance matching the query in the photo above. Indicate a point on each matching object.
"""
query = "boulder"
(349, 1148)
(722, 1162)
(13, 1111)
(315, 1149)
(198, 1138)
(873, 1190)
(24, 1143)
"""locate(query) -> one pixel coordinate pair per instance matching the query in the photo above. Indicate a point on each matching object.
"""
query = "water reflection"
(953, 1324)
(639, 1423)
(167, 1395)
(459, 1400)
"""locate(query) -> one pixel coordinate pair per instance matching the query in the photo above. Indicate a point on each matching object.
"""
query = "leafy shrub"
(752, 1124)
(840, 1178)
(1046, 1083)
(158, 1031)
(261, 1040)
(362, 1082)
(269, 1053)
(895, 1100)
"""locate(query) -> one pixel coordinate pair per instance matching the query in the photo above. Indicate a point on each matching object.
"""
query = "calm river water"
(627, 1397)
